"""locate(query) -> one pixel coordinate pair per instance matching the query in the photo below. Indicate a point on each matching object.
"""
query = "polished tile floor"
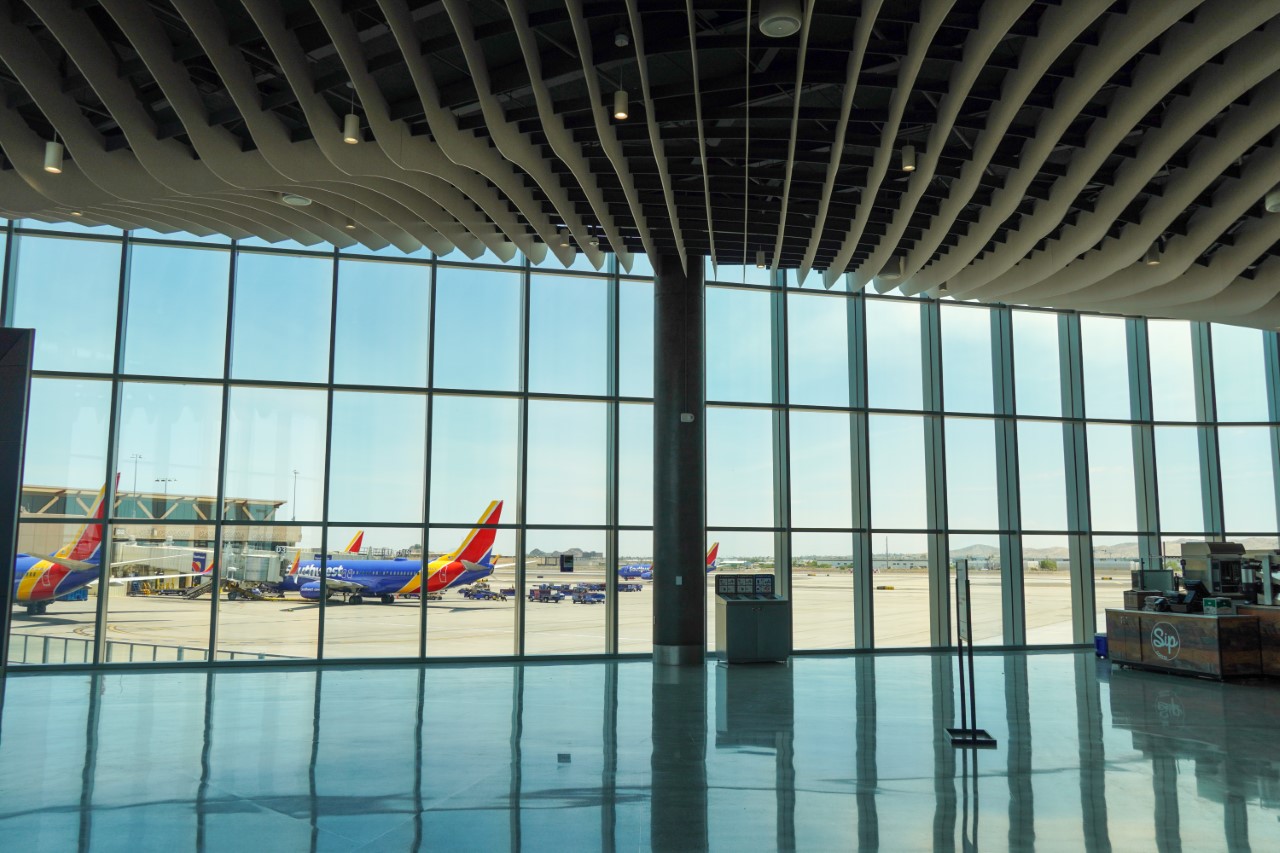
(828, 753)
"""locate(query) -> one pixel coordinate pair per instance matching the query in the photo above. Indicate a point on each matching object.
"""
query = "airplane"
(39, 579)
(468, 563)
(644, 571)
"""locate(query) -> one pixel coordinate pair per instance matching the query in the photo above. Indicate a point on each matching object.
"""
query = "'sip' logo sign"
(1165, 641)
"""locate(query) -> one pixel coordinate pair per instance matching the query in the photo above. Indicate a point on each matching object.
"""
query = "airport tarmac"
(145, 627)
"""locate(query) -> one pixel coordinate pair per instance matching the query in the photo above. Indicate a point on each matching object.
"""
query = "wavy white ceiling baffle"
(1058, 147)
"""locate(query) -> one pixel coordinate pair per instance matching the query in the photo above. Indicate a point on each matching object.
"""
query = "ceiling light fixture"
(53, 157)
(76, 213)
(908, 158)
(351, 123)
(780, 18)
(1152, 256)
(595, 238)
(562, 237)
(295, 200)
(621, 105)
(350, 224)
(1272, 202)
(760, 259)
(621, 38)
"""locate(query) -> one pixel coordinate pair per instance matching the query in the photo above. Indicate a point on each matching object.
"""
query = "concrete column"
(679, 463)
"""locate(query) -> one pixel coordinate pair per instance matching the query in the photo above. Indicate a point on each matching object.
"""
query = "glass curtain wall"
(859, 445)
(461, 450)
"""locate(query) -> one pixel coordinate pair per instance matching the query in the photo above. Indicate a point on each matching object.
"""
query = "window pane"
(1248, 479)
(1106, 367)
(1047, 589)
(986, 593)
(966, 359)
(1239, 373)
(378, 457)
(67, 290)
(897, 472)
(821, 470)
(1113, 557)
(822, 590)
(1172, 389)
(635, 463)
(384, 323)
(579, 262)
(1178, 478)
(739, 349)
(739, 467)
(386, 568)
(64, 634)
(275, 454)
(168, 446)
(259, 556)
(149, 618)
(66, 445)
(1112, 503)
(177, 320)
(566, 478)
(900, 593)
(461, 623)
(478, 330)
(893, 354)
(635, 338)
(1042, 478)
(574, 625)
(639, 266)
(568, 334)
(474, 447)
(281, 324)
(635, 592)
(1037, 376)
(972, 502)
(818, 350)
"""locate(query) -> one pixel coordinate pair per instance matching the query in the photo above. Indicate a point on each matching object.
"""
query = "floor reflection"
(821, 753)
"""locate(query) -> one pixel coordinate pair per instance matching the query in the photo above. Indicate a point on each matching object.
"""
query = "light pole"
(135, 457)
(295, 494)
(166, 481)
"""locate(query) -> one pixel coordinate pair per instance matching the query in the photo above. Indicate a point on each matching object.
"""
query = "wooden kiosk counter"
(1187, 643)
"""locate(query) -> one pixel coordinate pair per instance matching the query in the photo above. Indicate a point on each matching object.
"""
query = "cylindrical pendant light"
(562, 237)
(760, 259)
(1152, 256)
(351, 129)
(620, 105)
(53, 157)
(1272, 202)
(350, 224)
(908, 158)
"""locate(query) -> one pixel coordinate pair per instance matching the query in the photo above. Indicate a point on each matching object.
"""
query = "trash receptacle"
(753, 624)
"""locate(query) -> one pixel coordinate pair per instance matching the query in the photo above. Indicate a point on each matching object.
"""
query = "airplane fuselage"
(401, 576)
(37, 580)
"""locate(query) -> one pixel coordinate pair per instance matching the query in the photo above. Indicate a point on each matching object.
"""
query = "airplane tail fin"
(297, 558)
(353, 547)
(200, 563)
(86, 548)
(479, 542)
(713, 556)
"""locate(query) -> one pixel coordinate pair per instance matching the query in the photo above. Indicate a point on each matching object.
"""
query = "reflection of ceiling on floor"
(1055, 145)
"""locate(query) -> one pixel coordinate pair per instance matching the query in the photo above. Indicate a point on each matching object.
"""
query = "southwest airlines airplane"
(468, 563)
(38, 580)
(644, 571)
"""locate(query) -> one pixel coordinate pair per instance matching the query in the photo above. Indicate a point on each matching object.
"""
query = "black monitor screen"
(1196, 590)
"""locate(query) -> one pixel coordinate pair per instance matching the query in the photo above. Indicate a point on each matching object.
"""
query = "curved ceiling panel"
(1057, 148)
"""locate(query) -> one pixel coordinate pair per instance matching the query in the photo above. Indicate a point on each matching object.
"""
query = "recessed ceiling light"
(294, 199)
(780, 18)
